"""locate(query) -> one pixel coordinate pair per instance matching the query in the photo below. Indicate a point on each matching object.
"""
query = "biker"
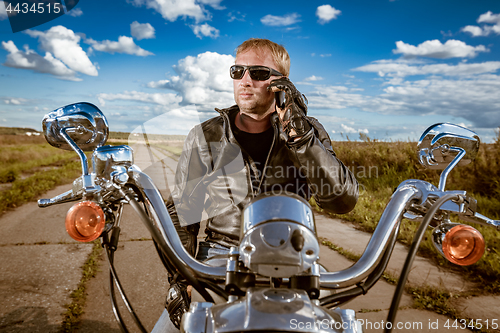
(264, 143)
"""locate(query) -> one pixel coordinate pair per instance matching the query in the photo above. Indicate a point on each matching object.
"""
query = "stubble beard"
(253, 109)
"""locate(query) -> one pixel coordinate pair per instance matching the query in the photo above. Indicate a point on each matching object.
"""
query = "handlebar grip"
(61, 198)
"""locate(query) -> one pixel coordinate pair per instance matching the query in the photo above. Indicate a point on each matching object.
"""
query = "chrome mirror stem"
(74, 146)
(88, 183)
(444, 174)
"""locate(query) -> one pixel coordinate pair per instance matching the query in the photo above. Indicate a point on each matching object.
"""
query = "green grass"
(30, 167)
(28, 189)
(75, 309)
(381, 166)
(424, 297)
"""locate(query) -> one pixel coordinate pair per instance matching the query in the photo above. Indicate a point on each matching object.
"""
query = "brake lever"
(67, 196)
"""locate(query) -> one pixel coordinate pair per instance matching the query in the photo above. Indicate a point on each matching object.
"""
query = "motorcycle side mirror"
(84, 124)
(79, 127)
(443, 146)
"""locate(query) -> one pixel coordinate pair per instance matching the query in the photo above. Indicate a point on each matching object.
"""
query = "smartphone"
(280, 99)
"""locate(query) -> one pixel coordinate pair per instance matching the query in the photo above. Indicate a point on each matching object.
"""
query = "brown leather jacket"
(215, 175)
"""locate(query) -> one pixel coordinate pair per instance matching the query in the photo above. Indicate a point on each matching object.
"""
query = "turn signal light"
(463, 245)
(85, 221)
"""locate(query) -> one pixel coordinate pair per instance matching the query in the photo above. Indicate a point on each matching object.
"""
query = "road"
(41, 266)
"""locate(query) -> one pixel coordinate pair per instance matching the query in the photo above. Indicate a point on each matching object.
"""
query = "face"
(251, 95)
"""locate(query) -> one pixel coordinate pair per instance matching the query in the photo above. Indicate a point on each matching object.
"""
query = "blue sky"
(385, 68)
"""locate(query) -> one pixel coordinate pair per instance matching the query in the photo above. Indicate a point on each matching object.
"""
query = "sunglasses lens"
(260, 74)
(237, 72)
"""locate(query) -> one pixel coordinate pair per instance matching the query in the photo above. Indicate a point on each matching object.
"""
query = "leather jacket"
(214, 174)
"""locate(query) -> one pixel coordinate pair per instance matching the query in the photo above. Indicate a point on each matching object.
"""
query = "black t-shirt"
(257, 145)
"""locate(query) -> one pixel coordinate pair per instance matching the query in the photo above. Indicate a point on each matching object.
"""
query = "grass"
(74, 310)
(381, 166)
(424, 297)
(28, 189)
(30, 167)
(174, 149)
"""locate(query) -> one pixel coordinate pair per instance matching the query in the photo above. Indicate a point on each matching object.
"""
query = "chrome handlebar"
(378, 243)
(410, 200)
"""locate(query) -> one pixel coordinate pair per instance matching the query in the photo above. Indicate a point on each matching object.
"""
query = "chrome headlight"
(278, 236)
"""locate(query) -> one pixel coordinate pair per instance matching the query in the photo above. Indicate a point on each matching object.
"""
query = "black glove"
(177, 302)
(292, 111)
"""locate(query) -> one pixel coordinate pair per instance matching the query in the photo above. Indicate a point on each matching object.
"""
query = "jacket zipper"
(252, 162)
(267, 159)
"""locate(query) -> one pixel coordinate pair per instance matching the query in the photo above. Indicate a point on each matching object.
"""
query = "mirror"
(83, 122)
(441, 143)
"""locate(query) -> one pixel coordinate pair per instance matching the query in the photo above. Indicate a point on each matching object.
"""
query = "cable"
(122, 292)
(411, 256)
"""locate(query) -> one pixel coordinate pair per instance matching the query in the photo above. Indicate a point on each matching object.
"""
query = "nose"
(246, 80)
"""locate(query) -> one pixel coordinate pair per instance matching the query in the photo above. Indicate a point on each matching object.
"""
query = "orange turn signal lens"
(463, 245)
(85, 221)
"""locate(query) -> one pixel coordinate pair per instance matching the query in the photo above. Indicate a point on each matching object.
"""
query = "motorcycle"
(272, 281)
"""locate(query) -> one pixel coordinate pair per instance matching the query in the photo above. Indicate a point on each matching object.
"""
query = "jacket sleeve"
(332, 184)
(186, 202)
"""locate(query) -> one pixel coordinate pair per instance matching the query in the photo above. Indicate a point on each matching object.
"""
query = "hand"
(292, 113)
(177, 303)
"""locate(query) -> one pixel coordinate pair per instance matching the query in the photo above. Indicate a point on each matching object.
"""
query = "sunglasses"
(258, 73)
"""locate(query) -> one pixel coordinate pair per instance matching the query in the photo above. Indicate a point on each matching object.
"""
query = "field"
(29, 167)
(381, 166)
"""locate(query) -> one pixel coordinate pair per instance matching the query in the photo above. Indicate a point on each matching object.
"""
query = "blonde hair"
(278, 52)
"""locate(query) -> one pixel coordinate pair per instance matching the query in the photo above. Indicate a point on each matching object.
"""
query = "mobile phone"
(280, 99)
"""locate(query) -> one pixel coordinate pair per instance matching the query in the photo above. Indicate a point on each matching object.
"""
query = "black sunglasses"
(258, 73)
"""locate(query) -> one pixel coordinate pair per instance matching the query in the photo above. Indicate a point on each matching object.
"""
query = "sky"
(387, 69)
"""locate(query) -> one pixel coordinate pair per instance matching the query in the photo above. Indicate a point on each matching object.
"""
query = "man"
(252, 148)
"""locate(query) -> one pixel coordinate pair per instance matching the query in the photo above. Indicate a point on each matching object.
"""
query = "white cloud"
(172, 9)
(435, 49)
(75, 12)
(31, 60)
(347, 129)
(205, 30)
(325, 55)
(156, 98)
(475, 30)
(280, 21)
(64, 44)
(475, 99)
(489, 17)
(236, 16)
(335, 97)
(471, 97)
(326, 13)
(142, 30)
(15, 101)
(403, 68)
(485, 30)
(203, 80)
(212, 3)
(123, 45)
(3, 13)
(313, 78)
(176, 121)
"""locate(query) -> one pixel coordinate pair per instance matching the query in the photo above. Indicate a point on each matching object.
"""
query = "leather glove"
(177, 302)
(292, 110)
